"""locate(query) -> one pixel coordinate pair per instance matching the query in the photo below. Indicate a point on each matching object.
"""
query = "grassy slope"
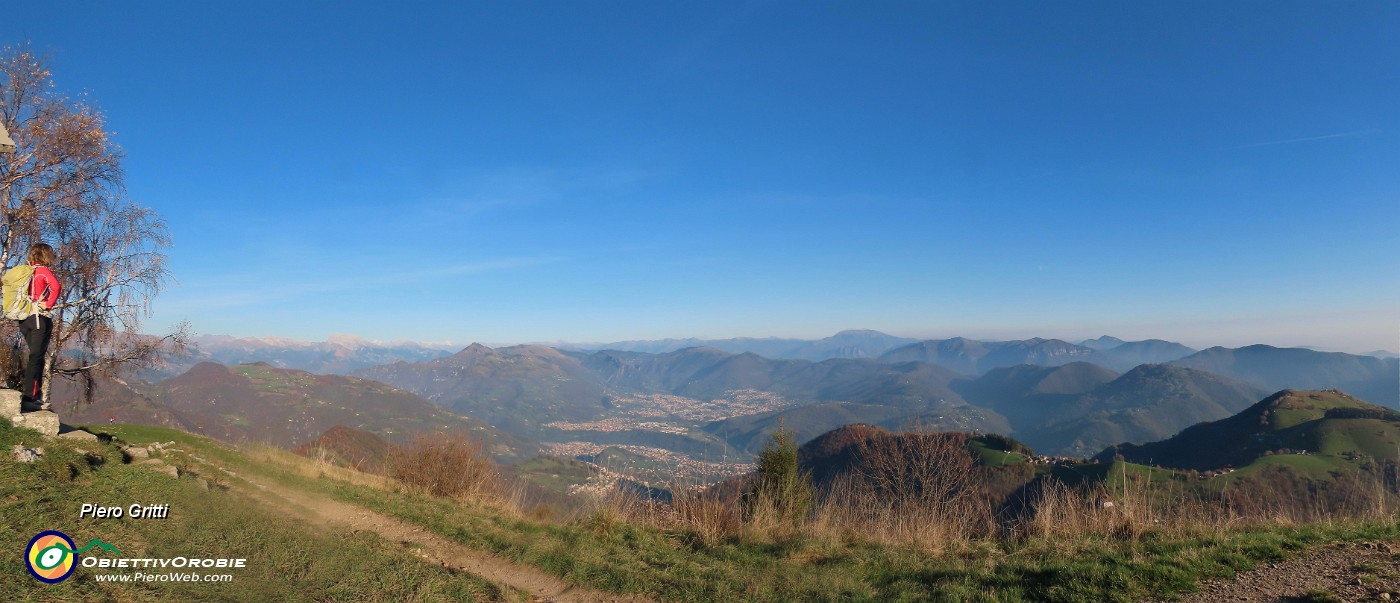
(287, 560)
(618, 557)
(1324, 423)
(290, 562)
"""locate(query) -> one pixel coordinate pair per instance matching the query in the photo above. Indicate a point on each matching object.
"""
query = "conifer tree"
(780, 486)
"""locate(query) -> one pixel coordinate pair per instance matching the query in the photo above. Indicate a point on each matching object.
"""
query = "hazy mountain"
(768, 347)
(1025, 387)
(522, 388)
(287, 408)
(977, 357)
(1331, 426)
(1373, 379)
(856, 343)
(1148, 403)
(1382, 354)
(1078, 408)
(1149, 351)
(709, 373)
(1063, 406)
(750, 433)
(515, 388)
(338, 355)
(856, 391)
(849, 344)
(652, 373)
(1102, 343)
(114, 400)
(525, 388)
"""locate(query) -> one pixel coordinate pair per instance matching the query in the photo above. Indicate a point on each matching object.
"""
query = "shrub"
(781, 494)
(446, 465)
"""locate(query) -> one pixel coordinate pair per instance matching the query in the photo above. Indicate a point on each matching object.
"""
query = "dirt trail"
(541, 586)
(1368, 571)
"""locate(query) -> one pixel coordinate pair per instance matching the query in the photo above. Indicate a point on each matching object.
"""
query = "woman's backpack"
(15, 287)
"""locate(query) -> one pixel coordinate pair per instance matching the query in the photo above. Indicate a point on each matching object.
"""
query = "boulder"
(136, 452)
(161, 467)
(27, 455)
(45, 422)
(9, 402)
(80, 435)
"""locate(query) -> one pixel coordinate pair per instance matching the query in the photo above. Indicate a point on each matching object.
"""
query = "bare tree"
(920, 470)
(63, 185)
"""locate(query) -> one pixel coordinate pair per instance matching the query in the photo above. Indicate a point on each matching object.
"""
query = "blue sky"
(1213, 173)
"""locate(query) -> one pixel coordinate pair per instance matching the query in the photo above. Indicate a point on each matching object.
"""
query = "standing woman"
(36, 329)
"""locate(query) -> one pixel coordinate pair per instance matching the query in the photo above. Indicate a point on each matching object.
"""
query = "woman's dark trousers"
(36, 338)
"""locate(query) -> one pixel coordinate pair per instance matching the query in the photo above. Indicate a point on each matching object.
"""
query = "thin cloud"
(1304, 139)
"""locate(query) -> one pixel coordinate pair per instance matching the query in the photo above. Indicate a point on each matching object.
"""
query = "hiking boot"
(32, 406)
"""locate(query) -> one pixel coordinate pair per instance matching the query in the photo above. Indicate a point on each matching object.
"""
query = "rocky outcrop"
(44, 422)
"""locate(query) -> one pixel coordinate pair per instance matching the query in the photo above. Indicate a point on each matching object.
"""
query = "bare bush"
(928, 475)
(920, 489)
(449, 465)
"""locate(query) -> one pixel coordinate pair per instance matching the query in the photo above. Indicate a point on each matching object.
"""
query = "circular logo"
(50, 557)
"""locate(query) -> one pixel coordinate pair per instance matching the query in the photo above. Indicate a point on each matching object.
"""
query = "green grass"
(618, 557)
(1368, 436)
(1319, 467)
(1310, 407)
(274, 380)
(1112, 474)
(990, 457)
(286, 559)
(1284, 418)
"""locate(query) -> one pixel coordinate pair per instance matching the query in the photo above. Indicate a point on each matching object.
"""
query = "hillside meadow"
(696, 548)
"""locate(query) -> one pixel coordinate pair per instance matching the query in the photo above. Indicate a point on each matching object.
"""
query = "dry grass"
(315, 468)
(449, 465)
(931, 507)
(851, 512)
(922, 495)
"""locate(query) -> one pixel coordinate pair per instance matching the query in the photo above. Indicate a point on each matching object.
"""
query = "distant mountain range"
(977, 357)
(1080, 408)
(338, 355)
(854, 343)
(525, 389)
(1367, 377)
(517, 389)
(705, 401)
(960, 354)
(286, 408)
(1073, 408)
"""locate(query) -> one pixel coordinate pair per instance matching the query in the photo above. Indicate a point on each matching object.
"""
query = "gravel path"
(543, 588)
(1368, 571)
